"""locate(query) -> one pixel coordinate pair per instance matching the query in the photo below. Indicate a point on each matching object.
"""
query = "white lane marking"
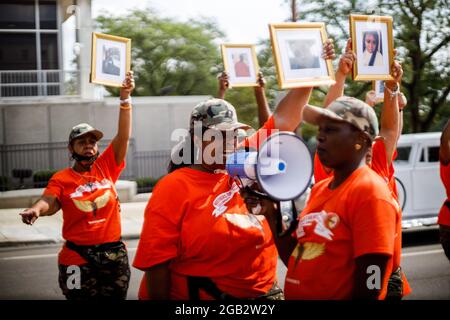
(42, 256)
(51, 255)
(421, 253)
(38, 256)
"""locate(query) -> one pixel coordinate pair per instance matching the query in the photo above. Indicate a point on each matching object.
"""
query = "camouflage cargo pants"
(107, 279)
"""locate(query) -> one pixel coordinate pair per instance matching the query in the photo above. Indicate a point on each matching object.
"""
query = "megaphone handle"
(293, 225)
(279, 221)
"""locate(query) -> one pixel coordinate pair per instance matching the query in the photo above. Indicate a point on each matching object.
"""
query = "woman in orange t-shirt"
(382, 152)
(344, 244)
(444, 213)
(93, 263)
(198, 240)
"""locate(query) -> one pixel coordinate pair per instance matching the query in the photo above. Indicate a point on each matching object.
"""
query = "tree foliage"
(422, 37)
(168, 57)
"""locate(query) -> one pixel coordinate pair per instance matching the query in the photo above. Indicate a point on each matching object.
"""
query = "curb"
(22, 243)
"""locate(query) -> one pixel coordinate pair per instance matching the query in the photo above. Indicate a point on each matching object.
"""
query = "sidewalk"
(48, 229)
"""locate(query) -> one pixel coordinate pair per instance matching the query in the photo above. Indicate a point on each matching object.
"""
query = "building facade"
(45, 52)
(33, 53)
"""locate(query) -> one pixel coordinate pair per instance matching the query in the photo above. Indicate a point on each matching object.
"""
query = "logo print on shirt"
(98, 203)
(93, 206)
(308, 251)
(222, 199)
(245, 221)
(91, 187)
(324, 223)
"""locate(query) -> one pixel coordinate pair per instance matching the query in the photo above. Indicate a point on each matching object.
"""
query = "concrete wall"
(50, 120)
(33, 121)
(155, 118)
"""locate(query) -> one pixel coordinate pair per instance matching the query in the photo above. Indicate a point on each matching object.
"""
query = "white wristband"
(125, 101)
(394, 93)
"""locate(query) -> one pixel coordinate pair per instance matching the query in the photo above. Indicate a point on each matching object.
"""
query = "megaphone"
(282, 166)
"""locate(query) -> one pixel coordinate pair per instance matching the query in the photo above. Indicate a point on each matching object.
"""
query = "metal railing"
(151, 163)
(55, 156)
(27, 83)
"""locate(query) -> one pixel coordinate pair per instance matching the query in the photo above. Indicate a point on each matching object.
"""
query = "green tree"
(423, 32)
(422, 36)
(168, 57)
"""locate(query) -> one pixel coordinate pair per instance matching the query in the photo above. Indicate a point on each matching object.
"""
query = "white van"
(421, 192)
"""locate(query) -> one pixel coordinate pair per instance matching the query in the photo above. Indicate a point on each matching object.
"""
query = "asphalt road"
(31, 272)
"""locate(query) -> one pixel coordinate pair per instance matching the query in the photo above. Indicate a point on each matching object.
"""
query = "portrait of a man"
(241, 67)
(302, 55)
(111, 61)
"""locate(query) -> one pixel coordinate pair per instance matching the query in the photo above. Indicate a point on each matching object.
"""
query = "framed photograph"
(373, 44)
(378, 87)
(241, 64)
(297, 50)
(110, 59)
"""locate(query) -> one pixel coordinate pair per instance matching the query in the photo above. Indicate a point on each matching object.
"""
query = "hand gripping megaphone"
(282, 166)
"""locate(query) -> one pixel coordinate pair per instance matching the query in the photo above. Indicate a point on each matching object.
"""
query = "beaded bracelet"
(125, 106)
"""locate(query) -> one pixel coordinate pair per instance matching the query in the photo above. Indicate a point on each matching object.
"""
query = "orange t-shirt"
(380, 165)
(337, 226)
(200, 223)
(193, 216)
(444, 213)
(77, 193)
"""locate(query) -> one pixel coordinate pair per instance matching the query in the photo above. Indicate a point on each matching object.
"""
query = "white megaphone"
(282, 166)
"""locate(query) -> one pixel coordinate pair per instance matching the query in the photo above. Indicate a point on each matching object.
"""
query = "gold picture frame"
(110, 59)
(375, 65)
(293, 70)
(241, 64)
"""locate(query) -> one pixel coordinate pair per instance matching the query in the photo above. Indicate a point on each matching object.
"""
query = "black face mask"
(90, 159)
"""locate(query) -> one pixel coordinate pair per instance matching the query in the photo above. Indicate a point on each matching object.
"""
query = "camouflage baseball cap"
(82, 129)
(347, 109)
(216, 114)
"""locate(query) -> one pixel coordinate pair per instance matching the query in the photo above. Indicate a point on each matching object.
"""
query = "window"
(422, 155)
(20, 51)
(429, 154)
(49, 51)
(17, 14)
(29, 34)
(433, 154)
(403, 154)
(47, 14)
